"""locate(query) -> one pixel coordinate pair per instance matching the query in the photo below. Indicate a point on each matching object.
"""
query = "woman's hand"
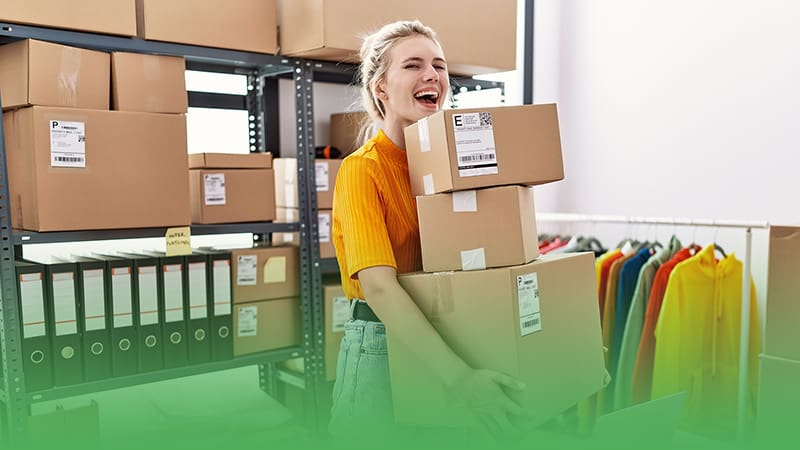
(481, 393)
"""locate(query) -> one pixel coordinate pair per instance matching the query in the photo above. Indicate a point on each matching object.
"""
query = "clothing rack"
(748, 226)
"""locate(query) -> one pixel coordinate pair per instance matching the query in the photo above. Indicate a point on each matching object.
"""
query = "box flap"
(230, 161)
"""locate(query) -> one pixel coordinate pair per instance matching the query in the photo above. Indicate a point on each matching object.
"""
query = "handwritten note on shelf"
(179, 241)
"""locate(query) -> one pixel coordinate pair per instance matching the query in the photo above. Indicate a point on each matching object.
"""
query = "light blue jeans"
(362, 394)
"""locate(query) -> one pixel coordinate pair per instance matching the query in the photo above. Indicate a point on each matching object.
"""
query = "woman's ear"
(379, 91)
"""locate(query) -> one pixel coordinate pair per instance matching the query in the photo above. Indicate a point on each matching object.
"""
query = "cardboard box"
(99, 16)
(454, 150)
(324, 221)
(111, 169)
(538, 323)
(476, 38)
(286, 182)
(778, 397)
(345, 129)
(782, 335)
(266, 325)
(41, 73)
(148, 83)
(477, 229)
(225, 195)
(248, 25)
(264, 273)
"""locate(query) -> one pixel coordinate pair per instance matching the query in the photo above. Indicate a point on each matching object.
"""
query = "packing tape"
(424, 135)
(474, 259)
(443, 301)
(68, 76)
(465, 201)
(427, 183)
(151, 72)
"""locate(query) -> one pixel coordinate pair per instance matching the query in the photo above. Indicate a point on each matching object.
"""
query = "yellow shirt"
(374, 214)
(697, 341)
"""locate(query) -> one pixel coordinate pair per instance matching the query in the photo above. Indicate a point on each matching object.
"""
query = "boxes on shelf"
(81, 169)
(263, 273)
(324, 218)
(266, 325)
(148, 83)
(45, 74)
(345, 128)
(477, 229)
(782, 336)
(462, 149)
(248, 25)
(229, 188)
(538, 323)
(99, 16)
(330, 29)
(286, 182)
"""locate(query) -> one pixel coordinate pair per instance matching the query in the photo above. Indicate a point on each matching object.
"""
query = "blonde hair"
(374, 62)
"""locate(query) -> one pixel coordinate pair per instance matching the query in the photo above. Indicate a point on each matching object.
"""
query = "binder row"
(88, 318)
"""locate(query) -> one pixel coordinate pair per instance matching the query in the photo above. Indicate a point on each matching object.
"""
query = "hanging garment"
(605, 270)
(610, 303)
(634, 323)
(697, 342)
(643, 367)
(554, 244)
(598, 265)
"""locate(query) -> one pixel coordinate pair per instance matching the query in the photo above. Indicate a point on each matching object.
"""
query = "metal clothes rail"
(748, 226)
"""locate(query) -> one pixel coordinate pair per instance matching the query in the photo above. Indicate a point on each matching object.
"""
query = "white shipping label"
(198, 302)
(173, 293)
(65, 311)
(248, 321)
(530, 317)
(474, 259)
(427, 184)
(322, 177)
(214, 187)
(465, 201)
(94, 300)
(340, 314)
(475, 149)
(247, 270)
(31, 296)
(324, 227)
(67, 144)
(122, 298)
(148, 295)
(424, 135)
(222, 287)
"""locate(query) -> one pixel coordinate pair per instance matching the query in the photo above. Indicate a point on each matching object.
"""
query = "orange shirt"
(374, 214)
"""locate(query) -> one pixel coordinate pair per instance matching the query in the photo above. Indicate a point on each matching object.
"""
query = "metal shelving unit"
(260, 70)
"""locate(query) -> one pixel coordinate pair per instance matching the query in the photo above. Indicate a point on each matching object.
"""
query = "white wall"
(684, 108)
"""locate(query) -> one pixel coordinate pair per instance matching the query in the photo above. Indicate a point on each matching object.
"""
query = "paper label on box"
(275, 270)
(248, 321)
(148, 295)
(247, 270)
(67, 144)
(424, 135)
(465, 201)
(32, 298)
(322, 181)
(530, 317)
(324, 227)
(122, 297)
(474, 139)
(173, 293)
(427, 184)
(340, 313)
(222, 287)
(214, 188)
(94, 300)
(474, 259)
(198, 297)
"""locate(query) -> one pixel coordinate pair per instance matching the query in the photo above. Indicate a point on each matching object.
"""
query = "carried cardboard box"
(460, 149)
(477, 38)
(782, 335)
(266, 325)
(99, 16)
(248, 25)
(345, 129)
(286, 181)
(778, 397)
(538, 323)
(264, 273)
(148, 83)
(229, 188)
(83, 169)
(477, 229)
(45, 74)
(324, 221)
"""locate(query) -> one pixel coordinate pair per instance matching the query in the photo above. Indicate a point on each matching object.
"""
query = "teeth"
(434, 94)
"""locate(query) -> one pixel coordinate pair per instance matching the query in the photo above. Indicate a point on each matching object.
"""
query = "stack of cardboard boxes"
(484, 288)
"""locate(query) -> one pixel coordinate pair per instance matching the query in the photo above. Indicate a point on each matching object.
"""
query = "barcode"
(71, 159)
(476, 157)
(530, 323)
(486, 118)
(246, 280)
(215, 199)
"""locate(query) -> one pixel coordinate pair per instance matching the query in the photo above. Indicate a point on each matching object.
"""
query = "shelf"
(291, 378)
(269, 63)
(328, 265)
(163, 375)
(33, 237)
(3, 397)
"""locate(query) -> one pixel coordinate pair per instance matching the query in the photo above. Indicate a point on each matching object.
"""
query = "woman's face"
(416, 82)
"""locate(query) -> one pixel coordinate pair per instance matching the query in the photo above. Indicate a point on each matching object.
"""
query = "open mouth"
(427, 97)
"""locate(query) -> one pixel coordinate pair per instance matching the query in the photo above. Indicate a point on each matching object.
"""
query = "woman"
(376, 234)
